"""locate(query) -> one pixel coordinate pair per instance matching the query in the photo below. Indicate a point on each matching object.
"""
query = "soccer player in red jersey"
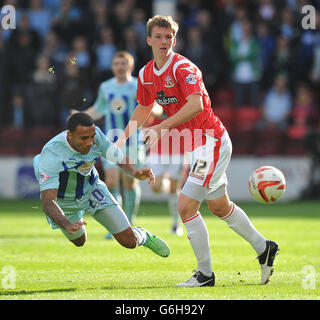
(176, 84)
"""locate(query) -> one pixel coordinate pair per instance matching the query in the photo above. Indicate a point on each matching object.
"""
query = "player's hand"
(153, 134)
(74, 227)
(144, 174)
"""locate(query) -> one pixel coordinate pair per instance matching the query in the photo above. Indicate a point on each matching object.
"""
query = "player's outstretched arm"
(91, 111)
(54, 212)
(138, 118)
(192, 108)
(142, 174)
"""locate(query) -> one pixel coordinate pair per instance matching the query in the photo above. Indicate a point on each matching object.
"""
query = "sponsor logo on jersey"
(163, 100)
(44, 177)
(118, 106)
(191, 78)
(168, 83)
(85, 168)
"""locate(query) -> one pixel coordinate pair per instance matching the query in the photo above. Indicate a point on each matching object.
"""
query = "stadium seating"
(223, 96)
(247, 118)
(294, 146)
(37, 137)
(243, 133)
(244, 142)
(11, 141)
(226, 114)
(270, 142)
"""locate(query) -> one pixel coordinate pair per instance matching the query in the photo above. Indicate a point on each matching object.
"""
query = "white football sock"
(141, 236)
(199, 240)
(238, 221)
(173, 202)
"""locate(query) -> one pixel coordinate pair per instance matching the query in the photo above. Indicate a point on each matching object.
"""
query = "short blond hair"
(126, 55)
(162, 22)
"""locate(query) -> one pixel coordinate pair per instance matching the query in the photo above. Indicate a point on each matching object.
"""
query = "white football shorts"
(207, 178)
(163, 163)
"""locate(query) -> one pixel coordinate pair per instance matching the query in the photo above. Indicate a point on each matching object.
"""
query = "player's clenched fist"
(73, 227)
(144, 174)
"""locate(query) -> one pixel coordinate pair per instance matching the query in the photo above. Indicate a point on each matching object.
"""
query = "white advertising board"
(17, 179)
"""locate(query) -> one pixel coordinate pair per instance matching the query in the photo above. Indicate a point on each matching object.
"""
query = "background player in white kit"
(188, 106)
(70, 186)
(167, 164)
(116, 102)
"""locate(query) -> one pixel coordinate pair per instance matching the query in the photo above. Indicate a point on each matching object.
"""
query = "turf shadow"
(26, 292)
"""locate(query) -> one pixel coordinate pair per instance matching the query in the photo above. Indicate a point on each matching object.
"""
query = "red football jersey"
(169, 144)
(170, 87)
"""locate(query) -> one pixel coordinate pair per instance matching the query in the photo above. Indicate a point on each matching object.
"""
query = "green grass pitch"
(47, 266)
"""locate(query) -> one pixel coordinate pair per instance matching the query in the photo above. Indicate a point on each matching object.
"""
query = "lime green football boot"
(156, 244)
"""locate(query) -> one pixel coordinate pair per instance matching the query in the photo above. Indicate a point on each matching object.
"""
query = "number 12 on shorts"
(199, 167)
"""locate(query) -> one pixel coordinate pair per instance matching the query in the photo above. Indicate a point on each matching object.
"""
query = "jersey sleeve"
(100, 103)
(144, 98)
(189, 78)
(108, 149)
(47, 170)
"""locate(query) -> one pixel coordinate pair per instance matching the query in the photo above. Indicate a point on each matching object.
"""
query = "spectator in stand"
(52, 6)
(288, 26)
(81, 52)
(246, 67)
(139, 24)
(119, 20)
(267, 46)
(41, 95)
(131, 44)
(266, 10)
(67, 22)
(304, 115)
(200, 53)
(71, 88)
(212, 39)
(21, 60)
(25, 27)
(104, 51)
(240, 16)
(282, 61)
(84, 59)
(55, 50)
(40, 17)
(277, 105)
(18, 111)
(101, 16)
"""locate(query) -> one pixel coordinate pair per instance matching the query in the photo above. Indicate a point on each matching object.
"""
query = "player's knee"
(157, 187)
(79, 242)
(111, 184)
(219, 207)
(183, 210)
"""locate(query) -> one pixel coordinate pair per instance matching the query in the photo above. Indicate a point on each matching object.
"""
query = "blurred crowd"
(257, 61)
